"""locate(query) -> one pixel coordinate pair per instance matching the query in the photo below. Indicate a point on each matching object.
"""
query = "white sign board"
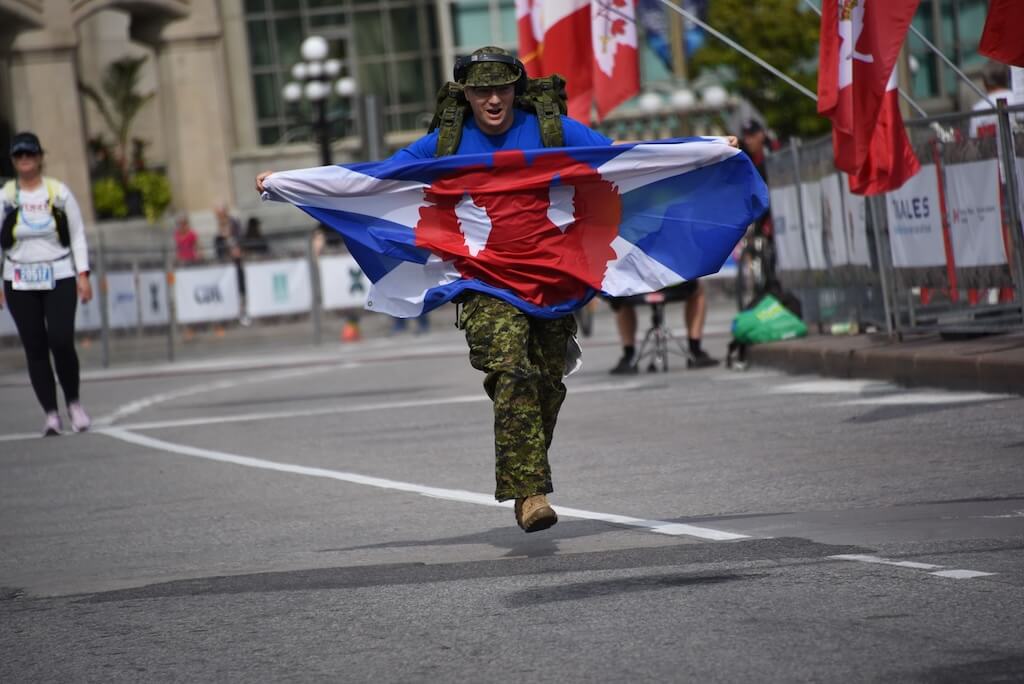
(7, 327)
(856, 225)
(833, 222)
(915, 222)
(810, 196)
(153, 292)
(122, 304)
(342, 283)
(273, 288)
(207, 293)
(972, 203)
(789, 242)
(87, 316)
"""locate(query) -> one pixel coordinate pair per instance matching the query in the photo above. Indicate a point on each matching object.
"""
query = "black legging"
(46, 322)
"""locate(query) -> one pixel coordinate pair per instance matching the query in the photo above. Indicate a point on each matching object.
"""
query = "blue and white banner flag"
(541, 229)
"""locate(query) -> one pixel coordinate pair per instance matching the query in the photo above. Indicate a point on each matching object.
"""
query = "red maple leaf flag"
(1001, 40)
(860, 43)
(616, 62)
(554, 38)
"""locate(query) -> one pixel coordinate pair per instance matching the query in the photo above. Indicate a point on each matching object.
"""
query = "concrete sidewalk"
(993, 363)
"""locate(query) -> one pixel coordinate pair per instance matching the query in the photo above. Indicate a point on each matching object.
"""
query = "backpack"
(544, 97)
(11, 211)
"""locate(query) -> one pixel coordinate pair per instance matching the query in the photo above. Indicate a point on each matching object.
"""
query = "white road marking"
(925, 399)
(913, 565)
(658, 526)
(832, 386)
(323, 411)
(162, 397)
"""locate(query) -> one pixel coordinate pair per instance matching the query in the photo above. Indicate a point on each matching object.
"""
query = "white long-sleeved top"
(35, 235)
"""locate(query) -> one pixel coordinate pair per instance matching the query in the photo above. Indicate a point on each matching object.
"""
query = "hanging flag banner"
(153, 292)
(856, 225)
(343, 285)
(274, 288)
(810, 196)
(789, 241)
(999, 40)
(975, 224)
(915, 222)
(206, 293)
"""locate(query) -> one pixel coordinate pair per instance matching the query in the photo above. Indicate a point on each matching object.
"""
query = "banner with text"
(274, 288)
(789, 242)
(975, 224)
(915, 222)
(343, 283)
(206, 293)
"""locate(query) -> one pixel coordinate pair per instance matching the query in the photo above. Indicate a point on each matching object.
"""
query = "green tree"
(120, 104)
(783, 33)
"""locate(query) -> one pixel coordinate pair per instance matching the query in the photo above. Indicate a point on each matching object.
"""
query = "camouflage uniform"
(524, 358)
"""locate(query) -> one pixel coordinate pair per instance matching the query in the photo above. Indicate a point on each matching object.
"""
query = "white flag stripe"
(634, 272)
(652, 162)
(335, 187)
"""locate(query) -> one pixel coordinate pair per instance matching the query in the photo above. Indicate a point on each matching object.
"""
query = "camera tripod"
(659, 341)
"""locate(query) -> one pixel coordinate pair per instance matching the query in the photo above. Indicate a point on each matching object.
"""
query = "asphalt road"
(327, 516)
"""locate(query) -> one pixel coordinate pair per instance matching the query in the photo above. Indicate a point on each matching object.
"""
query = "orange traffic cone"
(350, 331)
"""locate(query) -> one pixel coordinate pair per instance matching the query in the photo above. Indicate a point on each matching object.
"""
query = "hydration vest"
(543, 97)
(12, 213)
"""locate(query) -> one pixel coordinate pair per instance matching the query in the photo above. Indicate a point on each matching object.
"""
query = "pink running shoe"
(80, 421)
(51, 428)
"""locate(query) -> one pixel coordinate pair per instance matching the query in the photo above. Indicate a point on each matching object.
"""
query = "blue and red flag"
(541, 229)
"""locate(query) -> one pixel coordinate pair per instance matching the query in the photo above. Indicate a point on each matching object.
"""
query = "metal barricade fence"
(945, 252)
(144, 291)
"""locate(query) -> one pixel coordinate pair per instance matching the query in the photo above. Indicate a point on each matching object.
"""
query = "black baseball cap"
(751, 126)
(26, 142)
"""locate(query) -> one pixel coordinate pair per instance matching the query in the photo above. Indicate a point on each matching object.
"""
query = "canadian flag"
(1000, 40)
(590, 43)
(860, 43)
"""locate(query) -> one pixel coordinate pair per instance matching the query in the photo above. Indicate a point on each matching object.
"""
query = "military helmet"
(489, 67)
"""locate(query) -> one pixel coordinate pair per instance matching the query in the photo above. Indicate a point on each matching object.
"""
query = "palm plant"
(119, 104)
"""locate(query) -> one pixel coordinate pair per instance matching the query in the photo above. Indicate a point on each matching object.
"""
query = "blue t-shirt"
(523, 135)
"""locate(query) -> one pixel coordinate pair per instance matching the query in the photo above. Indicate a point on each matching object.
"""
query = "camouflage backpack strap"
(546, 97)
(448, 118)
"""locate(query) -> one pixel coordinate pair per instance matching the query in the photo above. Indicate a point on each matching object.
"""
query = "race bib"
(33, 277)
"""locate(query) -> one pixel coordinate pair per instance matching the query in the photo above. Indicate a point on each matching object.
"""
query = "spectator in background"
(254, 243)
(996, 78)
(227, 246)
(185, 241)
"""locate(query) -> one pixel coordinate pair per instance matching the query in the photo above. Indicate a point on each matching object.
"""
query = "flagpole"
(737, 47)
(906, 98)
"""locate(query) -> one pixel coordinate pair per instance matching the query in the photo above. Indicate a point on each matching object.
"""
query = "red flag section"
(1002, 39)
(590, 43)
(860, 42)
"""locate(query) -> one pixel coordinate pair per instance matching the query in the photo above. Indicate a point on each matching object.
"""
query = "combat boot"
(533, 513)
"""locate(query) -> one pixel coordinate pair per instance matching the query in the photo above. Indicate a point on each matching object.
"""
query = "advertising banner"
(810, 196)
(975, 224)
(342, 282)
(915, 222)
(833, 222)
(153, 292)
(122, 304)
(789, 242)
(87, 316)
(7, 327)
(206, 293)
(856, 226)
(273, 288)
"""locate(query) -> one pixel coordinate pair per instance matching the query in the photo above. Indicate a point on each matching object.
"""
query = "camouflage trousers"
(524, 359)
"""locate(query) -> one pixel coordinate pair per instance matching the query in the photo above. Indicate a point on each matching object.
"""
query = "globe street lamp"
(315, 80)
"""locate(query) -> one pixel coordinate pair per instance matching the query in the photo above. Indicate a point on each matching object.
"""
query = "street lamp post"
(315, 79)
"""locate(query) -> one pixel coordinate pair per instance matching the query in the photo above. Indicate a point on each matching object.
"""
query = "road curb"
(993, 364)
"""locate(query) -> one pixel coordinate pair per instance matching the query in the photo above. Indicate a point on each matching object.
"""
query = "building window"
(955, 27)
(389, 46)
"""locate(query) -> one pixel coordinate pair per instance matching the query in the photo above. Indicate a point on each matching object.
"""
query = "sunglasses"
(24, 153)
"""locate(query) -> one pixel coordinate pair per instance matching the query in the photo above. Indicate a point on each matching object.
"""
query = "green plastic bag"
(768, 321)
